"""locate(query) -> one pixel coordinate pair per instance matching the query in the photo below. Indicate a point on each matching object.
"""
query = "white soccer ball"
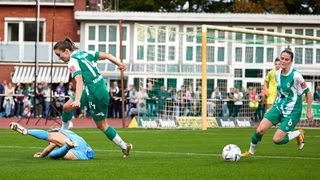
(231, 152)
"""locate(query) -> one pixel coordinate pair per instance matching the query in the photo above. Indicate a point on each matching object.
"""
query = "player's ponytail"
(67, 43)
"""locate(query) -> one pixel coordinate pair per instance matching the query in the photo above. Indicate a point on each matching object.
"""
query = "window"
(105, 37)
(192, 45)
(24, 29)
(253, 73)
(238, 73)
(156, 43)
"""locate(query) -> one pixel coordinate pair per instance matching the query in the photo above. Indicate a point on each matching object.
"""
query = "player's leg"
(67, 110)
(112, 135)
(64, 151)
(271, 118)
(98, 110)
(285, 132)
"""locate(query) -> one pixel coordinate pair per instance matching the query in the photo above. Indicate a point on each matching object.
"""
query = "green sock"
(112, 134)
(66, 116)
(284, 140)
(256, 138)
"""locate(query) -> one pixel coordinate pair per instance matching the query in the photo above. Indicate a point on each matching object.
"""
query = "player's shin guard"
(112, 134)
(59, 153)
(66, 117)
(284, 140)
(40, 134)
(256, 138)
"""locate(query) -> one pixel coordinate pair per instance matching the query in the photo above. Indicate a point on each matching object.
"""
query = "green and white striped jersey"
(290, 89)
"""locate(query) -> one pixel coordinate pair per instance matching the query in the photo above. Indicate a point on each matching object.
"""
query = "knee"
(277, 140)
(260, 131)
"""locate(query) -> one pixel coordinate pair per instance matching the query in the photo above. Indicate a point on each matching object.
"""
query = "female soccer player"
(71, 146)
(91, 89)
(287, 107)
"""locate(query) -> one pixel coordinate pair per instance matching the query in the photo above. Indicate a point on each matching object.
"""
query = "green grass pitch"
(164, 154)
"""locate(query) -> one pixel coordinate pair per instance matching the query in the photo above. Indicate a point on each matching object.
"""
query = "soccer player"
(91, 89)
(70, 145)
(287, 107)
(271, 86)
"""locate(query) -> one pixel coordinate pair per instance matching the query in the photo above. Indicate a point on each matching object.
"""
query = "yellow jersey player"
(270, 83)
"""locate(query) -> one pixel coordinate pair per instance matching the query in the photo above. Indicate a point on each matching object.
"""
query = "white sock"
(117, 139)
(293, 134)
(65, 125)
(253, 147)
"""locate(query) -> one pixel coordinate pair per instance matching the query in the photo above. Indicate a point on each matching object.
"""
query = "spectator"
(162, 96)
(2, 86)
(189, 100)
(152, 100)
(19, 100)
(142, 102)
(62, 88)
(39, 100)
(316, 94)
(230, 101)
(131, 100)
(31, 94)
(197, 99)
(253, 101)
(238, 98)
(215, 103)
(169, 101)
(115, 94)
(48, 95)
(60, 100)
(8, 103)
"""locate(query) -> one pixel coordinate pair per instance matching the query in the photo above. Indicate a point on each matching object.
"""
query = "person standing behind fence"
(60, 100)
(238, 98)
(270, 89)
(8, 103)
(287, 108)
(115, 94)
(18, 100)
(39, 100)
(1, 96)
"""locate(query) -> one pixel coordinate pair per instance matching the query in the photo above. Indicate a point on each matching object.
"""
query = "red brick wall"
(79, 5)
(6, 72)
(64, 23)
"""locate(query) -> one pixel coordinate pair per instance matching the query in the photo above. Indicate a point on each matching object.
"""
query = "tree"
(222, 6)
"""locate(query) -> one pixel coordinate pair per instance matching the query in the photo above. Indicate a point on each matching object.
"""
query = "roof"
(25, 74)
(199, 17)
(42, 2)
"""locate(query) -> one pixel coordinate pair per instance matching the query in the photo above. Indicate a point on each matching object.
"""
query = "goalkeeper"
(70, 145)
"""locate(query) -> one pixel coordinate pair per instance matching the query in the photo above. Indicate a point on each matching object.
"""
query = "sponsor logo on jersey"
(303, 85)
(72, 69)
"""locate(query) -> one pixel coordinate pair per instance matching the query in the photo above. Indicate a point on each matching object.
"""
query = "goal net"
(190, 74)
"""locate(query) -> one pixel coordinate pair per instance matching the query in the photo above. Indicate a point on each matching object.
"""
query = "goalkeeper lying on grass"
(70, 145)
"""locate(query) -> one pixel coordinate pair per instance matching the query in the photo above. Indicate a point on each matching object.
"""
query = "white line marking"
(174, 153)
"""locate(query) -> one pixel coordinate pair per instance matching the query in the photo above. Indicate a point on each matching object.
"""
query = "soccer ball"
(231, 152)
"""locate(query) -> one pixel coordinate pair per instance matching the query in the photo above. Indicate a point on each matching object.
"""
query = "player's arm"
(45, 151)
(79, 89)
(309, 104)
(114, 60)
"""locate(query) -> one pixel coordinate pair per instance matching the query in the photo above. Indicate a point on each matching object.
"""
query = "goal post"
(202, 58)
(302, 44)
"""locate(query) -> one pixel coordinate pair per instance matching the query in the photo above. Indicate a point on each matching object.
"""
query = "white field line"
(173, 153)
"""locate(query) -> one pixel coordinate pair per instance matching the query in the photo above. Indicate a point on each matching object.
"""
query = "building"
(151, 52)
(156, 50)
